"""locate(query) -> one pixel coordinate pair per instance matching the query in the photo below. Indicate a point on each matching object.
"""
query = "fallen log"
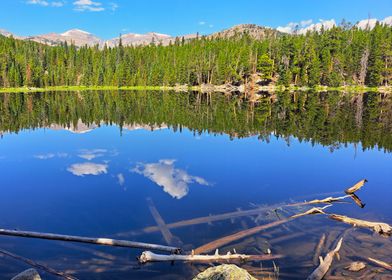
(230, 215)
(244, 233)
(381, 228)
(325, 263)
(381, 263)
(91, 240)
(356, 187)
(37, 265)
(319, 248)
(166, 233)
(236, 236)
(148, 256)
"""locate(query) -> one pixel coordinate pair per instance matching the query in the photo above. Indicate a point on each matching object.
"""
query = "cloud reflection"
(88, 168)
(173, 180)
(92, 154)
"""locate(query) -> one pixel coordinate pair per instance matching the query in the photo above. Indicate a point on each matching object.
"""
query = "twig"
(312, 211)
(148, 256)
(37, 265)
(98, 241)
(325, 263)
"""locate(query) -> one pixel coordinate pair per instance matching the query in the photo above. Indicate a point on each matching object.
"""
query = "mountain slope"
(255, 31)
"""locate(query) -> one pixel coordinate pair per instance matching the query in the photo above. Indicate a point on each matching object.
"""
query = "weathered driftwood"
(37, 265)
(325, 263)
(381, 228)
(312, 211)
(244, 233)
(357, 200)
(167, 235)
(148, 256)
(381, 263)
(327, 200)
(98, 241)
(356, 187)
(319, 247)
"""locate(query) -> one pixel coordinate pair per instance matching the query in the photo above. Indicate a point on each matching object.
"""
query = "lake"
(95, 163)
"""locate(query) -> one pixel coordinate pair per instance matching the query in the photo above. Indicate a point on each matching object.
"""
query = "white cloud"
(113, 6)
(38, 2)
(326, 24)
(88, 168)
(387, 20)
(120, 179)
(306, 25)
(173, 180)
(292, 26)
(88, 5)
(45, 156)
(202, 22)
(370, 23)
(50, 155)
(92, 154)
(45, 3)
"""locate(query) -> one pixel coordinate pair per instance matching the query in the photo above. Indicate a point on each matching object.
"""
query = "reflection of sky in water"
(173, 180)
(88, 168)
(39, 189)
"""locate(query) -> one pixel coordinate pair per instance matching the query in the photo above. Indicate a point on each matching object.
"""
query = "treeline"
(330, 119)
(342, 55)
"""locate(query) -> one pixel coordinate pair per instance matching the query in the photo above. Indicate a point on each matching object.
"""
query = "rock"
(356, 266)
(29, 274)
(224, 272)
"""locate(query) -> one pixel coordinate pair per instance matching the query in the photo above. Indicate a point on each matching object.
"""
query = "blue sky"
(108, 18)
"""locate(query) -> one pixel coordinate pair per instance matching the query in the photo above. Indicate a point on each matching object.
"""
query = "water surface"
(85, 163)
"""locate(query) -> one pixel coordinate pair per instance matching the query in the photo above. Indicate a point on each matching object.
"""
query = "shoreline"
(204, 88)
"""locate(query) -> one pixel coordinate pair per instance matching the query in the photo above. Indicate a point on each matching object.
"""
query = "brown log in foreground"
(148, 256)
(91, 240)
(381, 228)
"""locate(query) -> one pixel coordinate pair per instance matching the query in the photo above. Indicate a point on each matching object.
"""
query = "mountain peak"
(75, 32)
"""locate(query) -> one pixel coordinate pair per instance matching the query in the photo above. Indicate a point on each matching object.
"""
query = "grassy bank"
(203, 88)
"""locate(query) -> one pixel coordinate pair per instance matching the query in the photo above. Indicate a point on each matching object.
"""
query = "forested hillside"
(335, 57)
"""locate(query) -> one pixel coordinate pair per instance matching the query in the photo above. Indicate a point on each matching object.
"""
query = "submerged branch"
(37, 265)
(381, 263)
(325, 263)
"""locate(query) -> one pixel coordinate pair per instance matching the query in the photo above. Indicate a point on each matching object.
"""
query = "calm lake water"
(85, 163)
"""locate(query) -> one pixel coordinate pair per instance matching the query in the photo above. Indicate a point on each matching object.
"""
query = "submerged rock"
(356, 266)
(29, 274)
(224, 272)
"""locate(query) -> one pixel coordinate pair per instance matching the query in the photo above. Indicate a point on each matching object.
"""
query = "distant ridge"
(80, 37)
